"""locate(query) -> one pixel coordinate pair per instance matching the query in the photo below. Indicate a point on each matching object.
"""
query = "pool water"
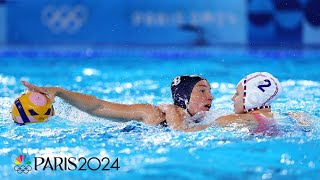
(143, 151)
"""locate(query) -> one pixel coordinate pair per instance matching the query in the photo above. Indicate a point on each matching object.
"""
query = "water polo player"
(190, 93)
(252, 105)
(252, 99)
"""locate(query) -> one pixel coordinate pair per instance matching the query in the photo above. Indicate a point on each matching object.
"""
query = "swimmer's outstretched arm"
(177, 118)
(146, 113)
(233, 118)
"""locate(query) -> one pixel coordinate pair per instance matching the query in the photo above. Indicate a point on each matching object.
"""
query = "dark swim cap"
(181, 89)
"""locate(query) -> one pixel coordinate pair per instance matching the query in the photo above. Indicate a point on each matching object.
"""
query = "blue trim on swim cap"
(181, 89)
(21, 111)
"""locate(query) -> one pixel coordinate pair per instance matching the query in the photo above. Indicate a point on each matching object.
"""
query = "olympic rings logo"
(23, 169)
(64, 18)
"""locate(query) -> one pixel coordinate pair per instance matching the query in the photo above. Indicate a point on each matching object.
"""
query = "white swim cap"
(260, 90)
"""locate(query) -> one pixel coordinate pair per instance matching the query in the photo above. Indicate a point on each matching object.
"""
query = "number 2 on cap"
(264, 85)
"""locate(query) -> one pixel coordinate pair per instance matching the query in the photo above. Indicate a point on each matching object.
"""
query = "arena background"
(277, 23)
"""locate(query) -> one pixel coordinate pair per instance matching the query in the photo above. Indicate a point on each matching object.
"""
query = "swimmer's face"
(201, 98)
(237, 99)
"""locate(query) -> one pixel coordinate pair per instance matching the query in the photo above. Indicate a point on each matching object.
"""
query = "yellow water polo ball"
(32, 107)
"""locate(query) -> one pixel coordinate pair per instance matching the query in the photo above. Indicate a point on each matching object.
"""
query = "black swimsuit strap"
(189, 112)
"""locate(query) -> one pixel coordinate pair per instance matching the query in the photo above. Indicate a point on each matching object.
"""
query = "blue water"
(144, 151)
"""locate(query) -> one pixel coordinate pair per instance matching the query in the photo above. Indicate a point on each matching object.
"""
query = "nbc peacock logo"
(22, 164)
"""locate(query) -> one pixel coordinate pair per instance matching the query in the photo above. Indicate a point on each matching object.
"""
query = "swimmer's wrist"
(58, 91)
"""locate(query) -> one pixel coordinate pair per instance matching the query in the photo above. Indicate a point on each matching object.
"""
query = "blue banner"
(283, 22)
(120, 22)
(3, 24)
(127, 22)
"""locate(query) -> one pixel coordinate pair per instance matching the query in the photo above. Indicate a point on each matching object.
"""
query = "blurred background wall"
(160, 23)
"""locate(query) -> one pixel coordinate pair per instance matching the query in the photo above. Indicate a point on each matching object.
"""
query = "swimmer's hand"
(166, 108)
(174, 115)
(302, 119)
(50, 92)
(179, 119)
(174, 110)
